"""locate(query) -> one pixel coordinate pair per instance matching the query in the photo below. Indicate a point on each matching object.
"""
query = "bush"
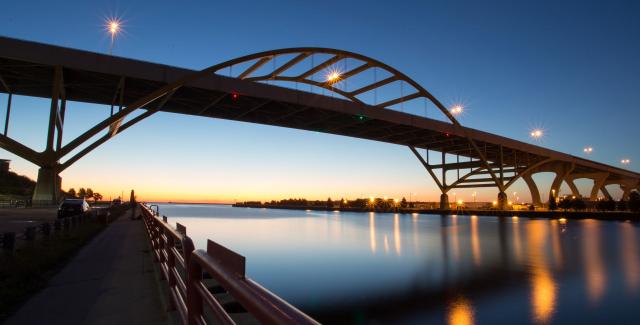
(565, 204)
(552, 203)
(578, 204)
(606, 205)
(622, 205)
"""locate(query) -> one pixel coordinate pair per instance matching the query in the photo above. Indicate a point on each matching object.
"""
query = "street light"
(625, 161)
(114, 27)
(457, 109)
(333, 76)
(587, 150)
(536, 133)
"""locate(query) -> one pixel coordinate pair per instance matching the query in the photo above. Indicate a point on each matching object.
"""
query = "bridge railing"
(210, 286)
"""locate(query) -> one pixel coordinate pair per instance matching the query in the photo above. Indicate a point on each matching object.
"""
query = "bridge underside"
(444, 149)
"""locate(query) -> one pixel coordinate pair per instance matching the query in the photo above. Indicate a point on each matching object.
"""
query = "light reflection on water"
(411, 268)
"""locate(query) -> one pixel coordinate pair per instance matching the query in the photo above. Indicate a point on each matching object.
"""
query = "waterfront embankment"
(557, 214)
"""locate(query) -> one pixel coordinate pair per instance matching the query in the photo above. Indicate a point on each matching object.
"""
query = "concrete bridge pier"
(444, 201)
(502, 200)
(627, 187)
(48, 187)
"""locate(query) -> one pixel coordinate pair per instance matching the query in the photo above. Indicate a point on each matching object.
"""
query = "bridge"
(265, 88)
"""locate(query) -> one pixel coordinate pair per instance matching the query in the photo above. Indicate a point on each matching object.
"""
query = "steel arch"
(301, 53)
(262, 58)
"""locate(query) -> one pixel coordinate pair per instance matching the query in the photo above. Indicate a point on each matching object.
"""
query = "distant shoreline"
(612, 216)
(192, 203)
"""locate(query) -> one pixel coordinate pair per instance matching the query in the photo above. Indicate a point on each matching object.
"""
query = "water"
(402, 268)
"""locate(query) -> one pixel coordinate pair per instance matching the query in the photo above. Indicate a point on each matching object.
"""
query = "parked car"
(115, 203)
(74, 207)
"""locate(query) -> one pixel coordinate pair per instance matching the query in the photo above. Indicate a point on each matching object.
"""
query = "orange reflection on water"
(630, 260)
(416, 245)
(555, 242)
(517, 245)
(455, 241)
(460, 312)
(543, 285)
(475, 240)
(396, 234)
(372, 231)
(596, 275)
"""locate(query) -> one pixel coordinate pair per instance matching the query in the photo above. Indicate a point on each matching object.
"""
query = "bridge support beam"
(627, 187)
(444, 201)
(502, 200)
(47, 191)
(533, 189)
(574, 189)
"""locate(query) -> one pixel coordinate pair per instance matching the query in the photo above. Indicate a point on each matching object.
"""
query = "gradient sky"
(571, 68)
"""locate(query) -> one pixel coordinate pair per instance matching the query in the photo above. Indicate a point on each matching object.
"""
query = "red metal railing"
(198, 279)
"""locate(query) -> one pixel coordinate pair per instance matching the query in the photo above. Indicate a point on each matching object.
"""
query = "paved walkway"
(110, 281)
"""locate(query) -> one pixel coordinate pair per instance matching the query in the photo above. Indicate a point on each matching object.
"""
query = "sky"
(568, 67)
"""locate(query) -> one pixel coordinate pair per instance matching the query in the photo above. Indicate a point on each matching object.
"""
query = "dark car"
(73, 207)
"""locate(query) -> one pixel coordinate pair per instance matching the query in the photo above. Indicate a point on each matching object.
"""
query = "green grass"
(31, 267)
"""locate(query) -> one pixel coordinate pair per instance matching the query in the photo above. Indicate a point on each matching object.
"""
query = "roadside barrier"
(11, 240)
(210, 286)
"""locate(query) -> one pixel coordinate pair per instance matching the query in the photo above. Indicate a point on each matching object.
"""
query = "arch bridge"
(315, 89)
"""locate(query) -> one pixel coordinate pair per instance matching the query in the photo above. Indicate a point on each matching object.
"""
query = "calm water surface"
(402, 268)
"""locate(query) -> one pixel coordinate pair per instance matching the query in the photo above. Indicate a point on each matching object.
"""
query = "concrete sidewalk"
(110, 281)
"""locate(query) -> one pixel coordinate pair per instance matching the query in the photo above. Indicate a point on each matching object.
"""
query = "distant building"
(4, 165)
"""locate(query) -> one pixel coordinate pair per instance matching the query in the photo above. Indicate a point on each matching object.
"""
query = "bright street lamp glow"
(333, 76)
(625, 161)
(537, 133)
(114, 27)
(588, 150)
(457, 109)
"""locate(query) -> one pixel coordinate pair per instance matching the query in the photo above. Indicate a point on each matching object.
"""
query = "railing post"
(194, 301)
(171, 264)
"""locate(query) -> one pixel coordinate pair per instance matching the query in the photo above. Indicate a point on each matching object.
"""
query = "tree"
(82, 193)
(634, 201)
(97, 197)
(565, 204)
(552, 202)
(89, 193)
(578, 204)
(343, 203)
(622, 205)
(606, 205)
(329, 203)
(403, 203)
(71, 192)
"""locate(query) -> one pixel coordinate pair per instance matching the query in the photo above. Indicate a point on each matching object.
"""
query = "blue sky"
(570, 67)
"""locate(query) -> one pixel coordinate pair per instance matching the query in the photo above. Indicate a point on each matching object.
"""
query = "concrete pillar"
(605, 192)
(533, 189)
(573, 187)
(444, 201)
(47, 191)
(598, 184)
(502, 200)
(627, 186)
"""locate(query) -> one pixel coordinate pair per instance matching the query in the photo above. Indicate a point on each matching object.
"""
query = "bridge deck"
(27, 68)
